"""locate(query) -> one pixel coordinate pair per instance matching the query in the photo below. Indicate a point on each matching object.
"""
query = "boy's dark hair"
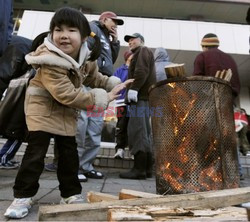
(38, 41)
(35, 43)
(74, 18)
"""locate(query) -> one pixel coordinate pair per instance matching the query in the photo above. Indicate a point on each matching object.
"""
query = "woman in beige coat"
(63, 63)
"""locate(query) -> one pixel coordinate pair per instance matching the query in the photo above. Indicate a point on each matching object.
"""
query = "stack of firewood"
(139, 206)
(175, 70)
(224, 74)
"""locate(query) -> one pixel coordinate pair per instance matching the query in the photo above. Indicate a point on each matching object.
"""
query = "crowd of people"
(72, 67)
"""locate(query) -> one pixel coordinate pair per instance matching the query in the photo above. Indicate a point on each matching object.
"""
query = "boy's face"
(67, 39)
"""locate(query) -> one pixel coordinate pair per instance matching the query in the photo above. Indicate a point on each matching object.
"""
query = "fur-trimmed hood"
(49, 54)
(55, 92)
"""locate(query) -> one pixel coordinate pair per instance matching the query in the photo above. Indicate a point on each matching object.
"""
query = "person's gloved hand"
(132, 96)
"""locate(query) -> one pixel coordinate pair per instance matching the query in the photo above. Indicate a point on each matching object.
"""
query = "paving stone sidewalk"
(49, 193)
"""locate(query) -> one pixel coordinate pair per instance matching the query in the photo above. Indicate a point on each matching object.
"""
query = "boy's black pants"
(26, 183)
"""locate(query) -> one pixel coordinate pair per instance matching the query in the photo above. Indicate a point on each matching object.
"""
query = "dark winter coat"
(6, 24)
(12, 63)
(209, 62)
(55, 93)
(109, 51)
(142, 70)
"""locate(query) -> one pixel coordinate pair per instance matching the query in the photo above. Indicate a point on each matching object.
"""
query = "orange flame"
(186, 171)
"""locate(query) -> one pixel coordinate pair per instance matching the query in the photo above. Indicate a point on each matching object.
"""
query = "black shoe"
(133, 174)
(138, 172)
(9, 165)
(94, 174)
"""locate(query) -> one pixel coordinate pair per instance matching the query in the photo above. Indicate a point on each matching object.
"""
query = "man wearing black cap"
(142, 70)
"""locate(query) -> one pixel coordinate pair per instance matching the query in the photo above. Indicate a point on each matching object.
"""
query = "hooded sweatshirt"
(161, 60)
(109, 49)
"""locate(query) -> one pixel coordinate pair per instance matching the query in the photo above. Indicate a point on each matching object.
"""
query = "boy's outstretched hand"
(115, 92)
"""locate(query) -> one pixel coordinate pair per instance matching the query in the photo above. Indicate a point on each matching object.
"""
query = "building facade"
(175, 25)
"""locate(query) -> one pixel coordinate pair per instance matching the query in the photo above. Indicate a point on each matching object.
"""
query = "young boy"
(63, 62)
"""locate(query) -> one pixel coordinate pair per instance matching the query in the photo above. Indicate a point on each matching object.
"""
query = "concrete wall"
(170, 34)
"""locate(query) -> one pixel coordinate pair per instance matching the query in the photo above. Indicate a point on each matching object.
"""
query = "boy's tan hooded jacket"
(54, 95)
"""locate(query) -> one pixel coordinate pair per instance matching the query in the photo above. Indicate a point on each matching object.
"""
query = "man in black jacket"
(142, 70)
(12, 63)
(106, 30)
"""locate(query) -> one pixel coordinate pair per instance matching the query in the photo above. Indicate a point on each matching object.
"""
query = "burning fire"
(192, 168)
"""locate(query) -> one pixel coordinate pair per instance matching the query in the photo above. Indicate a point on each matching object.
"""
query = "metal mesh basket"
(194, 135)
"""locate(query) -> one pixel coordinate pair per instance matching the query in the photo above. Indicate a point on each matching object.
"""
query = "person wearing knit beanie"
(210, 40)
(212, 59)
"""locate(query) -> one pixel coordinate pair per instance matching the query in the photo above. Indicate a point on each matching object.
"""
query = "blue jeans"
(88, 139)
(9, 150)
